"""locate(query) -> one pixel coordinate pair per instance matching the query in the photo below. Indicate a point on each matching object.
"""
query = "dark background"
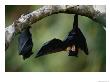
(56, 26)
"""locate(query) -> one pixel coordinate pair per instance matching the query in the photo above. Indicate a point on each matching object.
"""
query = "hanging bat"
(25, 43)
(74, 41)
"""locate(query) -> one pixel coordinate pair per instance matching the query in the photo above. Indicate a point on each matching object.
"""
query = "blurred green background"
(56, 26)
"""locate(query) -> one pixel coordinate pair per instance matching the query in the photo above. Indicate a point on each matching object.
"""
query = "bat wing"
(54, 45)
(82, 42)
(25, 44)
(27, 49)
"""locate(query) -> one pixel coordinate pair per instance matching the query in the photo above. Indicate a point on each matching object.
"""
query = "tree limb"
(29, 19)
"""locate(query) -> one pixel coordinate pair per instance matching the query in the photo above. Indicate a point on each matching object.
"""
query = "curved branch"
(29, 19)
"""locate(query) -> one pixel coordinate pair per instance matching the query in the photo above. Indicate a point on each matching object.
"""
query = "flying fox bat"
(25, 43)
(74, 41)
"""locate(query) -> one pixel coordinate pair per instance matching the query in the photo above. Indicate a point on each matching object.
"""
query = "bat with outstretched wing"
(74, 41)
(25, 43)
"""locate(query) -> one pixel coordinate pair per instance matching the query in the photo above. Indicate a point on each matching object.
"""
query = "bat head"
(73, 50)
